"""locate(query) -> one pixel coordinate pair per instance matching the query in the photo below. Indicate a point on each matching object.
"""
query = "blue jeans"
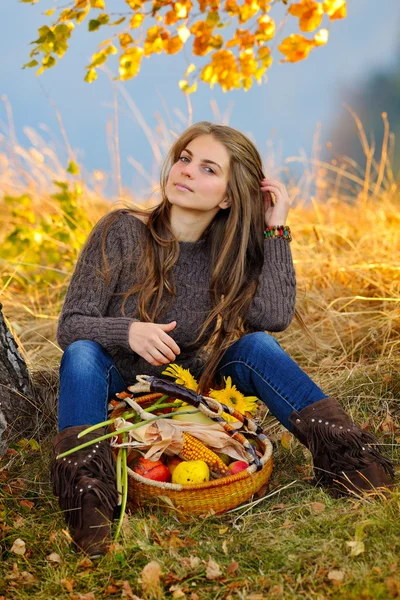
(256, 362)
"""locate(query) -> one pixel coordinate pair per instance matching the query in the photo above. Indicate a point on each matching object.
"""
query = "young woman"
(198, 280)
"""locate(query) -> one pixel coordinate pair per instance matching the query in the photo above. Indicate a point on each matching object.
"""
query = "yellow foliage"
(310, 14)
(164, 34)
(136, 20)
(125, 39)
(154, 42)
(129, 63)
(182, 9)
(173, 45)
(170, 18)
(248, 10)
(223, 69)
(296, 47)
(266, 29)
(336, 9)
(134, 4)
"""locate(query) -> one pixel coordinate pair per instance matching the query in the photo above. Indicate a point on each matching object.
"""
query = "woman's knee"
(259, 339)
(82, 355)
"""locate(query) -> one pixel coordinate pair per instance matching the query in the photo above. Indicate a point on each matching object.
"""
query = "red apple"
(152, 469)
(159, 473)
(237, 466)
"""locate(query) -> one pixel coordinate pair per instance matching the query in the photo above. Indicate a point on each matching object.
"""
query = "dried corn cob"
(194, 449)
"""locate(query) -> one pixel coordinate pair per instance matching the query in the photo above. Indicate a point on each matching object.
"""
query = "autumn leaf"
(55, 558)
(213, 570)
(286, 439)
(150, 580)
(85, 563)
(295, 47)
(317, 507)
(68, 583)
(18, 547)
(336, 576)
(336, 9)
(232, 568)
(129, 63)
(357, 547)
(27, 504)
(309, 12)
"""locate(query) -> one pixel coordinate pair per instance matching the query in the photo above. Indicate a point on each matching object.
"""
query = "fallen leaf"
(178, 593)
(175, 542)
(194, 596)
(150, 580)
(194, 561)
(232, 568)
(393, 587)
(85, 563)
(18, 522)
(213, 570)
(18, 547)
(111, 589)
(27, 504)
(317, 507)
(27, 578)
(127, 591)
(225, 547)
(223, 530)
(54, 557)
(357, 547)
(286, 439)
(336, 576)
(388, 424)
(68, 583)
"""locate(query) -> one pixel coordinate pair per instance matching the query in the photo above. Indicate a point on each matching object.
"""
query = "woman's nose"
(186, 169)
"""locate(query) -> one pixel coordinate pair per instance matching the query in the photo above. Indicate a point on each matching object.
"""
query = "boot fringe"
(336, 443)
(344, 450)
(92, 466)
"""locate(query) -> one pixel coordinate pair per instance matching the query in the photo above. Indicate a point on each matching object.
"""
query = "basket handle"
(209, 406)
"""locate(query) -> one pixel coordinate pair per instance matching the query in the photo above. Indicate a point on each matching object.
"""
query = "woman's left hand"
(276, 212)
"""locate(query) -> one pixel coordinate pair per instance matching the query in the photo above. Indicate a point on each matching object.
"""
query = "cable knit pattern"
(91, 312)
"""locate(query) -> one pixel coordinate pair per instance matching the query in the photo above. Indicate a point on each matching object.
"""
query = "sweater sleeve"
(83, 315)
(272, 307)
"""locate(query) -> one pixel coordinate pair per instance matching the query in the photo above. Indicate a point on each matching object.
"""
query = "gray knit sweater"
(90, 312)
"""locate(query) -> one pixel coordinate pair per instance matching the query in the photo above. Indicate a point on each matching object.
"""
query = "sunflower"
(231, 396)
(182, 376)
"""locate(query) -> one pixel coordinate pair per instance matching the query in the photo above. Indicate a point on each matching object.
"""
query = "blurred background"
(295, 115)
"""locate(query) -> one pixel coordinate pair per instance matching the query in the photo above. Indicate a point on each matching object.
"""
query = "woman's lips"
(183, 188)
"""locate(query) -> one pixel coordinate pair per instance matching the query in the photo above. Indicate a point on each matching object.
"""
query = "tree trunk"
(18, 398)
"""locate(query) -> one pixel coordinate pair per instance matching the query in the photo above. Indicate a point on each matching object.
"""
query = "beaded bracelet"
(277, 231)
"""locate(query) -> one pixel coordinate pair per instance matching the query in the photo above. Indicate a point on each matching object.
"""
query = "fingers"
(156, 358)
(170, 342)
(166, 351)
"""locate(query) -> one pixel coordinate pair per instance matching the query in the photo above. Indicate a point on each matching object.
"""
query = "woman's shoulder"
(123, 219)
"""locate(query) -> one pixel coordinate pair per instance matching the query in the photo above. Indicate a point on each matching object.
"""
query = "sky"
(281, 116)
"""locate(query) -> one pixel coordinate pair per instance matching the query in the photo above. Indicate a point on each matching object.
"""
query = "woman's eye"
(187, 158)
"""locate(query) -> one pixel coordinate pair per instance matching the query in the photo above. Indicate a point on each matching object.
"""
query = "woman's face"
(198, 180)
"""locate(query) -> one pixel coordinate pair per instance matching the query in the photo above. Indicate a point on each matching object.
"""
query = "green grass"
(288, 546)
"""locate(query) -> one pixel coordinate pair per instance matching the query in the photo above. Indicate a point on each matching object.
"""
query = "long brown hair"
(236, 242)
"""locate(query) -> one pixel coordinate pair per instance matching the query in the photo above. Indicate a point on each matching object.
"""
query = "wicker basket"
(212, 497)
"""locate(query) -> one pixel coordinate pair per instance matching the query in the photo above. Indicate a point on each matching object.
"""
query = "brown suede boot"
(346, 458)
(85, 484)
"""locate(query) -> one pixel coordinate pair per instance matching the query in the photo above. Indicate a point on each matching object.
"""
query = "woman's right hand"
(152, 343)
